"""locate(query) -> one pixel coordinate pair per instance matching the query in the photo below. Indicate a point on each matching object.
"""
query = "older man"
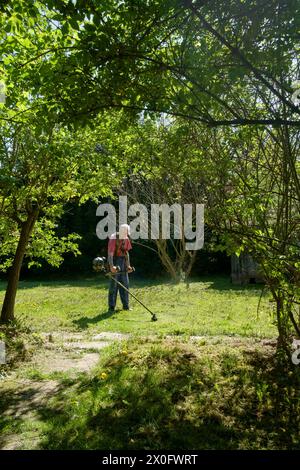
(118, 247)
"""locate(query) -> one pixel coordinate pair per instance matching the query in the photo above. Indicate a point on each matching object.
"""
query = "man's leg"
(123, 293)
(112, 294)
(125, 281)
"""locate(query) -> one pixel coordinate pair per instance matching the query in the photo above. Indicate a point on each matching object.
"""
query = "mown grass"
(174, 394)
(20, 344)
(210, 306)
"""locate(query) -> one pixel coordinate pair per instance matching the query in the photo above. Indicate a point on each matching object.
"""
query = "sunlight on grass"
(176, 395)
(209, 306)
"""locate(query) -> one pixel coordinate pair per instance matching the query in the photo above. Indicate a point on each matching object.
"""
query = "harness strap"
(122, 248)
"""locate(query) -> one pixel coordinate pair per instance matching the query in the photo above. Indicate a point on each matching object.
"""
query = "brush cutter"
(100, 265)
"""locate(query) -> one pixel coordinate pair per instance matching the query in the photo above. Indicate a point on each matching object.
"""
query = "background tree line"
(82, 221)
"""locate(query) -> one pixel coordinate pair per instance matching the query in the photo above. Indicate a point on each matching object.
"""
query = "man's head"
(124, 231)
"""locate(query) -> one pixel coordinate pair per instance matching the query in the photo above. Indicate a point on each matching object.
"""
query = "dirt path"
(26, 390)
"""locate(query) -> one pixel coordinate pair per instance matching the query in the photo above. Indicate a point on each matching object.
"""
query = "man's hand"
(113, 269)
(129, 269)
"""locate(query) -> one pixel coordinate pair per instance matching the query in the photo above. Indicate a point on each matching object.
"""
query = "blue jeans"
(114, 288)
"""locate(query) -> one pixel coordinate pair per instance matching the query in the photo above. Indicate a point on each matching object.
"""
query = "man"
(118, 248)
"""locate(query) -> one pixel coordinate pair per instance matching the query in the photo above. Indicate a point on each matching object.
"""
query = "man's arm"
(110, 259)
(127, 261)
(110, 255)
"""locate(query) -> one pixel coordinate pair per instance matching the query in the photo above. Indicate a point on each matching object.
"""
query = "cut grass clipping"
(170, 394)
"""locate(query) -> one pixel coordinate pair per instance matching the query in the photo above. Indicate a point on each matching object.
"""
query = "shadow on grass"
(18, 407)
(84, 322)
(100, 282)
(223, 283)
(173, 399)
(86, 282)
(217, 282)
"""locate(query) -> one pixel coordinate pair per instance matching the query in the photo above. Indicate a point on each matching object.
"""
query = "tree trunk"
(189, 268)
(8, 307)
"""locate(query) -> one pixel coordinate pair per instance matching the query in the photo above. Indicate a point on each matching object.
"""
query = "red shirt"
(124, 246)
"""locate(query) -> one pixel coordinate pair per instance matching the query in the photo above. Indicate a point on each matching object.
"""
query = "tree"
(43, 166)
(208, 61)
(165, 176)
(253, 204)
(224, 64)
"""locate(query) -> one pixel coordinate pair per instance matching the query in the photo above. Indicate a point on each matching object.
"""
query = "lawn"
(210, 306)
(153, 394)
(178, 395)
(204, 376)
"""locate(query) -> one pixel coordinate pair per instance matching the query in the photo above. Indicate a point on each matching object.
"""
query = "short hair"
(124, 230)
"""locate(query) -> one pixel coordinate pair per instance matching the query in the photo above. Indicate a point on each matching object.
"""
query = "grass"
(211, 306)
(20, 345)
(158, 389)
(171, 394)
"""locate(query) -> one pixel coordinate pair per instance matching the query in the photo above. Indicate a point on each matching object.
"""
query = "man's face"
(124, 232)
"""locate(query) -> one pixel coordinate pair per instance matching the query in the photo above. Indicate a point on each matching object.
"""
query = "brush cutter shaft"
(130, 293)
(100, 265)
